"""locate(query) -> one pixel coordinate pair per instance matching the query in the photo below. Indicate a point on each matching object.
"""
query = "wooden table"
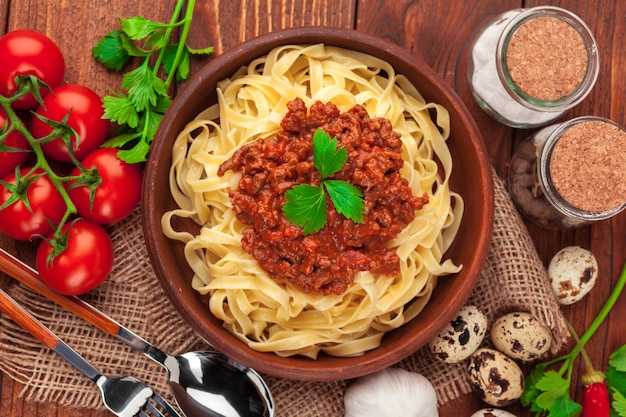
(437, 31)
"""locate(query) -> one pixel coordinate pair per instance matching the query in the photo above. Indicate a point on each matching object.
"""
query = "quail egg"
(492, 412)
(520, 336)
(573, 272)
(495, 377)
(461, 337)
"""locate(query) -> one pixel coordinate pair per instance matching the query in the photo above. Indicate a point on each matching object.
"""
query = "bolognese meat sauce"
(327, 260)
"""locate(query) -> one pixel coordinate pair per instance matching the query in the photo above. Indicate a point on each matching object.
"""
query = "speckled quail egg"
(520, 336)
(573, 272)
(495, 377)
(461, 337)
(492, 412)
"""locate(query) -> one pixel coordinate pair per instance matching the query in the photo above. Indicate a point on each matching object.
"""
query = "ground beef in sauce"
(325, 261)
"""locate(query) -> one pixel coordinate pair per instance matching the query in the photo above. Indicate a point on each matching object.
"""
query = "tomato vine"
(59, 130)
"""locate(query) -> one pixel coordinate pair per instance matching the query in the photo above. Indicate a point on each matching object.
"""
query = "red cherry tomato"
(86, 111)
(118, 193)
(84, 264)
(46, 206)
(10, 157)
(28, 52)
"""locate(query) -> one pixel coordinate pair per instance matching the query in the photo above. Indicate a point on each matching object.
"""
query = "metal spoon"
(204, 384)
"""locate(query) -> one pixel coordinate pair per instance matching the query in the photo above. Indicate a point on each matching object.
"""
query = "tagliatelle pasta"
(279, 317)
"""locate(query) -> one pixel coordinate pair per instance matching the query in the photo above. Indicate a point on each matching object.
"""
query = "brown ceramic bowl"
(471, 178)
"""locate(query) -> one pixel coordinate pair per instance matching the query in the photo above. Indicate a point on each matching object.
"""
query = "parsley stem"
(604, 312)
(586, 358)
(168, 34)
(570, 370)
(595, 324)
(182, 42)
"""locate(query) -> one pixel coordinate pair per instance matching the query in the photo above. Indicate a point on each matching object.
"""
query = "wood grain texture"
(225, 24)
(441, 35)
(4, 12)
(21, 316)
(76, 26)
(436, 31)
(30, 278)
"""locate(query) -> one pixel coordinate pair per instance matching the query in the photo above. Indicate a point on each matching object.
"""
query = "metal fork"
(124, 396)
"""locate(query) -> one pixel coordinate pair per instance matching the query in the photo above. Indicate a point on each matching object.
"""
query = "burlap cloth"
(513, 278)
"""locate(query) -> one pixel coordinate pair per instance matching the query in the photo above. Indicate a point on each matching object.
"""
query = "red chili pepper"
(596, 401)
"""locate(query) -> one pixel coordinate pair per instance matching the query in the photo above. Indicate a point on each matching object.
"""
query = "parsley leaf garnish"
(619, 403)
(326, 157)
(554, 393)
(346, 198)
(616, 380)
(306, 207)
(110, 50)
(618, 359)
(305, 204)
(140, 106)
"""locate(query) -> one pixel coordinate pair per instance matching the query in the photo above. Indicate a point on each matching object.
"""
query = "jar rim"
(593, 60)
(545, 177)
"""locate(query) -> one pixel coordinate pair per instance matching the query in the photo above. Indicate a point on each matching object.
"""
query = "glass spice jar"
(570, 174)
(528, 66)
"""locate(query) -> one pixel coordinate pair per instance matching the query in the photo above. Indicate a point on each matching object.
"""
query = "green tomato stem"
(41, 161)
(22, 90)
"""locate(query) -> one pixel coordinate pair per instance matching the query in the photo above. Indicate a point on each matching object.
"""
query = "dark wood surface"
(437, 31)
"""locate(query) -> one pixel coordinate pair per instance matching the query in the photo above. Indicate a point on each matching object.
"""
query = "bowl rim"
(300, 368)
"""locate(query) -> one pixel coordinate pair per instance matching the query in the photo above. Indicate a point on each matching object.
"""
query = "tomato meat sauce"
(325, 261)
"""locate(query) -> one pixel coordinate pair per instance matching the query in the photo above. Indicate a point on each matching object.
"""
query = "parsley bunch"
(547, 391)
(138, 109)
(306, 204)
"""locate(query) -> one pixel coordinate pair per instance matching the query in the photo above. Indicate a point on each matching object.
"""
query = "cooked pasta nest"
(279, 317)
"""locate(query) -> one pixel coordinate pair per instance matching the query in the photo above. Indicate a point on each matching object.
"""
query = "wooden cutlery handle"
(22, 317)
(29, 277)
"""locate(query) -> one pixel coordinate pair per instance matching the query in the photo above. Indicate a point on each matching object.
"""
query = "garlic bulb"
(391, 392)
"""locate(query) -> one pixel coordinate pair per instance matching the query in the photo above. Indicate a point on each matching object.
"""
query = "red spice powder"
(546, 58)
(588, 166)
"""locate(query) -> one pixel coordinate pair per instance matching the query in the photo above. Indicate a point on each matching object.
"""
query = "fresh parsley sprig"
(547, 390)
(144, 99)
(305, 204)
(616, 380)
